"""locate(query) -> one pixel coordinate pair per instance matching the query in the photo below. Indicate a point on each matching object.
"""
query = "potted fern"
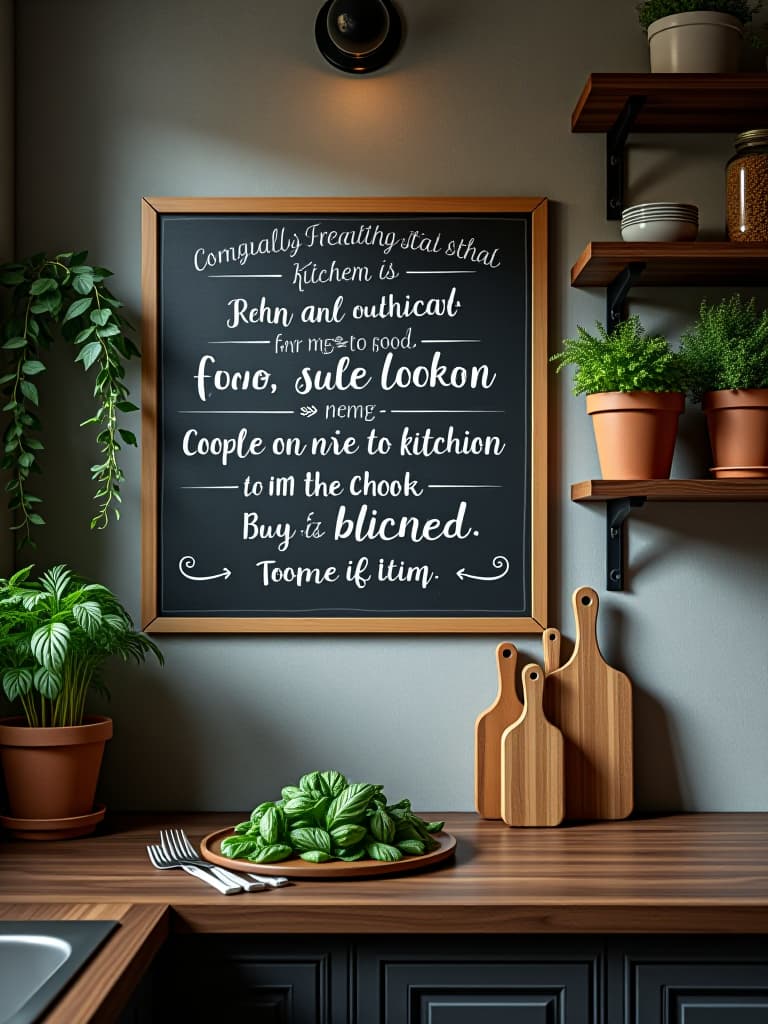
(55, 635)
(725, 362)
(696, 36)
(634, 395)
(47, 298)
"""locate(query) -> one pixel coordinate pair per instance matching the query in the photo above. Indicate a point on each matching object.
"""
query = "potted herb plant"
(634, 396)
(725, 363)
(62, 296)
(55, 635)
(696, 36)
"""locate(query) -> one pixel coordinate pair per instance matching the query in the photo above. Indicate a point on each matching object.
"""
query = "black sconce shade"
(358, 36)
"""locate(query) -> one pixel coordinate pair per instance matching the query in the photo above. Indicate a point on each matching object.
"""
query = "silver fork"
(176, 842)
(162, 861)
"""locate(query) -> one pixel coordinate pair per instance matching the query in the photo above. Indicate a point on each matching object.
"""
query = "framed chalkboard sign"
(344, 415)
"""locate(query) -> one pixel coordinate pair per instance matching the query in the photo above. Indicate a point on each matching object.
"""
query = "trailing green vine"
(64, 295)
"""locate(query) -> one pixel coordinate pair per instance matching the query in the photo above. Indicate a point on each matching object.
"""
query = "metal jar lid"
(751, 139)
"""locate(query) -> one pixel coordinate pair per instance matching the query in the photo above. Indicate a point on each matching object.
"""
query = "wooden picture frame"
(167, 289)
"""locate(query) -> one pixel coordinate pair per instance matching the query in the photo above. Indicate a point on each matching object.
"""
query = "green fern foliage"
(726, 348)
(624, 359)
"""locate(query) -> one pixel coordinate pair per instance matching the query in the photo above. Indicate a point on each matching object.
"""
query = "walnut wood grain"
(99, 993)
(670, 263)
(682, 873)
(671, 490)
(674, 102)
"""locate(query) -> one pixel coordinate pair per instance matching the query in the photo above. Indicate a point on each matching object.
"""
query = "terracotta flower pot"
(738, 432)
(694, 42)
(51, 773)
(635, 432)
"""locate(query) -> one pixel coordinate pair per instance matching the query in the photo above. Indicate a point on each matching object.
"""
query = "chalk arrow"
(498, 562)
(188, 562)
(308, 410)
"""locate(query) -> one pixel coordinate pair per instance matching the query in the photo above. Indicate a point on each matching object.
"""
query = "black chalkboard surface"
(344, 422)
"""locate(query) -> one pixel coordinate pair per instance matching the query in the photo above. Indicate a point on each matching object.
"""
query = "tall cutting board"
(591, 703)
(489, 726)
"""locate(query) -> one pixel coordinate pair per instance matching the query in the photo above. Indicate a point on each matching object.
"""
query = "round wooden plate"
(295, 867)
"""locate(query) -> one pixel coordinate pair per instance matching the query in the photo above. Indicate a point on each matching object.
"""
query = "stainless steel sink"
(38, 959)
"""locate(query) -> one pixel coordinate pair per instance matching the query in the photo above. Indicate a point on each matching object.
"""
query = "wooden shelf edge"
(674, 102)
(693, 262)
(671, 490)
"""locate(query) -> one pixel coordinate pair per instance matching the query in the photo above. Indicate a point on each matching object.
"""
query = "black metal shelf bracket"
(616, 139)
(617, 291)
(617, 511)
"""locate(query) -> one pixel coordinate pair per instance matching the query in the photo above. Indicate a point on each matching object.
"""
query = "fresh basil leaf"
(383, 851)
(315, 856)
(270, 854)
(304, 839)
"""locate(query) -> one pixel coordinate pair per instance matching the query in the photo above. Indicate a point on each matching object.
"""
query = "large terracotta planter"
(695, 42)
(635, 433)
(51, 773)
(738, 432)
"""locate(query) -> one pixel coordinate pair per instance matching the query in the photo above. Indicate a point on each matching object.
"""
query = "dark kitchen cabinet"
(687, 981)
(281, 980)
(477, 980)
(464, 979)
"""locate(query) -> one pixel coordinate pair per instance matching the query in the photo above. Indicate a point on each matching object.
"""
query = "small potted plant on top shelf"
(724, 358)
(55, 635)
(634, 395)
(696, 36)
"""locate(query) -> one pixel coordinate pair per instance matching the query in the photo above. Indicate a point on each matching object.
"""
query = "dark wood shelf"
(671, 490)
(674, 103)
(675, 263)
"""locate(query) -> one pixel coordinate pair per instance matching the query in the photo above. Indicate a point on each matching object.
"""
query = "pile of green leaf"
(327, 818)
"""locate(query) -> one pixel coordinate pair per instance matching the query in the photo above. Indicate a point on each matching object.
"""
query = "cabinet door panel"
(499, 982)
(501, 1007)
(697, 993)
(280, 982)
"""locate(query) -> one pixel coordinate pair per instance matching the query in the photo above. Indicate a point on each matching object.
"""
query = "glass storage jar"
(746, 188)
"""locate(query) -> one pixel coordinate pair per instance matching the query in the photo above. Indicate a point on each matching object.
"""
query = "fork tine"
(163, 855)
(184, 842)
(168, 843)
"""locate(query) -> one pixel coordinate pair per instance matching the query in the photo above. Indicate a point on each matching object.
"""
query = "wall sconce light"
(358, 36)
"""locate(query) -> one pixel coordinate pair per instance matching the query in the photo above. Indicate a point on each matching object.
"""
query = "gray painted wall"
(6, 198)
(195, 98)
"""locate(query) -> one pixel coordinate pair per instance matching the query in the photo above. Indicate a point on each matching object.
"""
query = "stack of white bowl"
(660, 222)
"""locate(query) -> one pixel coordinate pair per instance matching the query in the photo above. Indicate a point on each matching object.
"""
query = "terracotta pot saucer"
(739, 472)
(54, 828)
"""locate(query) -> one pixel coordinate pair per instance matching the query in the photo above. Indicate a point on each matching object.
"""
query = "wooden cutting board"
(550, 645)
(591, 703)
(488, 729)
(532, 762)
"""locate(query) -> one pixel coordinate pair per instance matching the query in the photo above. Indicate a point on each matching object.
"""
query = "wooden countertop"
(705, 873)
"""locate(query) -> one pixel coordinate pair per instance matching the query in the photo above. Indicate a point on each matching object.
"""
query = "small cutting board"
(488, 729)
(532, 762)
(591, 703)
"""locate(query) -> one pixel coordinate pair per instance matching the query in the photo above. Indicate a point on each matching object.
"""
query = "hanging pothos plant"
(62, 295)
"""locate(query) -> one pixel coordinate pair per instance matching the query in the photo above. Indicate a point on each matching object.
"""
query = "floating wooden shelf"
(674, 103)
(621, 496)
(676, 263)
(671, 490)
(619, 266)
